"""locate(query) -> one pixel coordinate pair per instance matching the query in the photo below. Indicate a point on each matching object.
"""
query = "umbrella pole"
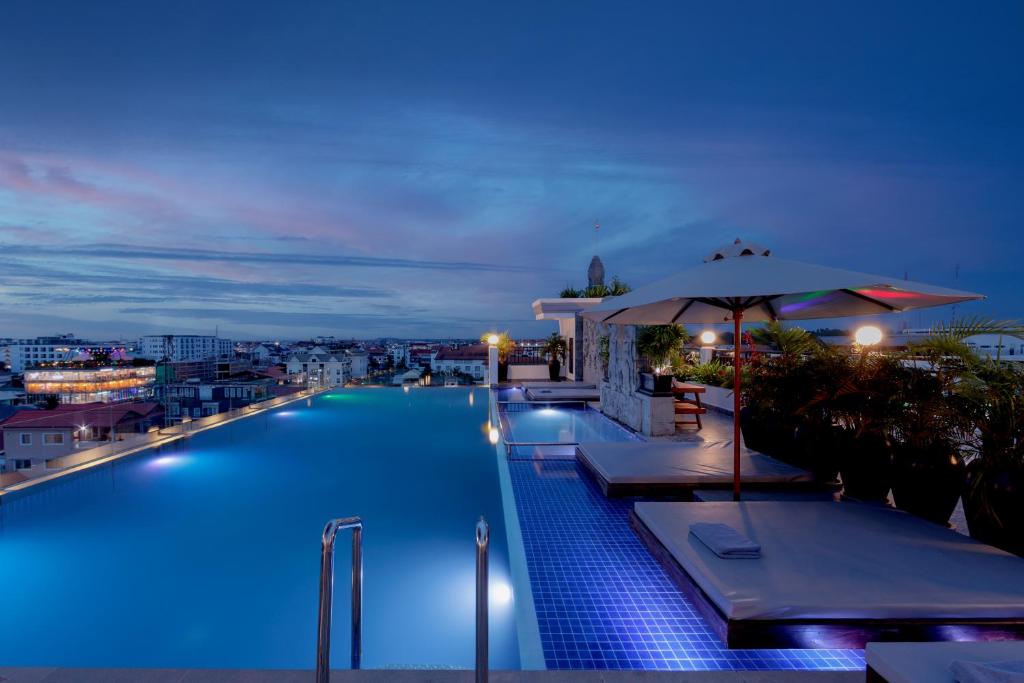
(737, 318)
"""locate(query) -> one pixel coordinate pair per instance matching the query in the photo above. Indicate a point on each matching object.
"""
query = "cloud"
(159, 253)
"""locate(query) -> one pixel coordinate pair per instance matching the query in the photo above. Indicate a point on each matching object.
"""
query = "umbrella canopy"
(744, 281)
(746, 277)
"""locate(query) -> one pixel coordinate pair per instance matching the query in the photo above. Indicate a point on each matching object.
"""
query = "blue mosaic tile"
(603, 602)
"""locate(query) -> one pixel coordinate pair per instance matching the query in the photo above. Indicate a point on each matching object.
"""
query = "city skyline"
(425, 171)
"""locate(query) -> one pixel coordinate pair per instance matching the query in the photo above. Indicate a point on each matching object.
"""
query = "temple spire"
(595, 273)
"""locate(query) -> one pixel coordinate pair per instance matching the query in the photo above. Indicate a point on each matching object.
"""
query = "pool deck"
(46, 675)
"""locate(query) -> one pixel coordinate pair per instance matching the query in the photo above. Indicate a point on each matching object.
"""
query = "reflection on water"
(562, 425)
(206, 554)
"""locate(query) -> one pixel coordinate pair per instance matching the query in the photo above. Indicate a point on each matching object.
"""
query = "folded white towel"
(725, 541)
(988, 672)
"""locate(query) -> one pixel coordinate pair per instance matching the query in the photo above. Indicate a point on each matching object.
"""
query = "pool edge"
(531, 652)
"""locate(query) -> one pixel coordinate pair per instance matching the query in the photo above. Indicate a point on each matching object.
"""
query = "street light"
(868, 335)
(492, 359)
(707, 341)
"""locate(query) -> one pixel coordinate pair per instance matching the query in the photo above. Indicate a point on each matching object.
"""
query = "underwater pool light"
(501, 593)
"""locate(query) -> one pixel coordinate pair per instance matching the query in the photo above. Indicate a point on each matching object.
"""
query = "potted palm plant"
(780, 392)
(660, 345)
(974, 407)
(994, 495)
(929, 423)
(555, 348)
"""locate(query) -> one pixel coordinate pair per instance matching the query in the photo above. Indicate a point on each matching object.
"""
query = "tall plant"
(555, 347)
(661, 344)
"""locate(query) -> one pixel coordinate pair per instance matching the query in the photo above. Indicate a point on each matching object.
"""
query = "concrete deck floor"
(47, 675)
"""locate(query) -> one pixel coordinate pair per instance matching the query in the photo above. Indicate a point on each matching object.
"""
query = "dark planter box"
(993, 507)
(927, 483)
(655, 385)
(554, 370)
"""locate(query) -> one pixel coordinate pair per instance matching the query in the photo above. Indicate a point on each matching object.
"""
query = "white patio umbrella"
(744, 282)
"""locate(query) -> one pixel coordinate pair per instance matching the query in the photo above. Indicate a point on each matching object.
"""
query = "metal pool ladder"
(483, 540)
(323, 642)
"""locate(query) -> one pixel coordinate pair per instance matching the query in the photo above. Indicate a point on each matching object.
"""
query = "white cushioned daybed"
(664, 467)
(932, 662)
(836, 575)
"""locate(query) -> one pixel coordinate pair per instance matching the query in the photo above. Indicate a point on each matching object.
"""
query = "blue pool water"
(207, 554)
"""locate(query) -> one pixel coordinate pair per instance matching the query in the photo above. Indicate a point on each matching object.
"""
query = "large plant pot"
(814, 446)
(865, 465)
(502, 371)
(994, 506)
(927, 483)
(655, 385)
(554, 370)
(767, 434)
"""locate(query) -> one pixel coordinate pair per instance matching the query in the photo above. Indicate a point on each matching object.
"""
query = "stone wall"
(592, 367)
(653, 416)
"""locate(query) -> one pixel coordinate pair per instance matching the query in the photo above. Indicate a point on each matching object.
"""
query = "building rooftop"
(80, 415)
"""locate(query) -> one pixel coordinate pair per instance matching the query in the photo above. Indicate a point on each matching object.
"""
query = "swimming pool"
(206, 553)
(562, 424)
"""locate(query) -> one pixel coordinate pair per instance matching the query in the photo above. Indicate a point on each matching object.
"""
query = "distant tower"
(595, 273)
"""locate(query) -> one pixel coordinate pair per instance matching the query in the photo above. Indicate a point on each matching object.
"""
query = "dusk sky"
(285, 169)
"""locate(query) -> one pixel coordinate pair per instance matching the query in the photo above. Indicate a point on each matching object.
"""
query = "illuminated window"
(53, 439)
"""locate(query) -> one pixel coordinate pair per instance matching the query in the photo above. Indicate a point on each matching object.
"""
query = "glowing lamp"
(707, 337)
(493, 435)
(868, 335)
(493, 340)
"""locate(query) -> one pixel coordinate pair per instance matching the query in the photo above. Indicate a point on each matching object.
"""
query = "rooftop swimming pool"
(206, 553)
(565, 423)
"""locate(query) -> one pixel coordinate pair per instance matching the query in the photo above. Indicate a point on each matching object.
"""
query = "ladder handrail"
(323, 644)
(483, 533)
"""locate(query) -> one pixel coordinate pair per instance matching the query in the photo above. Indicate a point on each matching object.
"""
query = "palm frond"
(788, 340)
(949, 340)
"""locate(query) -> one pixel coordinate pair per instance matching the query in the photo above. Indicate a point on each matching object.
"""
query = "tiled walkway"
(602, 602)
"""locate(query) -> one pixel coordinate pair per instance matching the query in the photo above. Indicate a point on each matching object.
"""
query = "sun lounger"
(677, 468)
(836, 575)
(933, 662)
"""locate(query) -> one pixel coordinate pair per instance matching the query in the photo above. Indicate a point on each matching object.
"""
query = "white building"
(360, 363)
(566, 312)
(470, 360)
(26, 353)
(184, 347)
(320, 367)
(261, 356)
(999, 346)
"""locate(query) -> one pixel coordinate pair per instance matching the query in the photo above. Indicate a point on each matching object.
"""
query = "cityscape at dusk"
(535, 342)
